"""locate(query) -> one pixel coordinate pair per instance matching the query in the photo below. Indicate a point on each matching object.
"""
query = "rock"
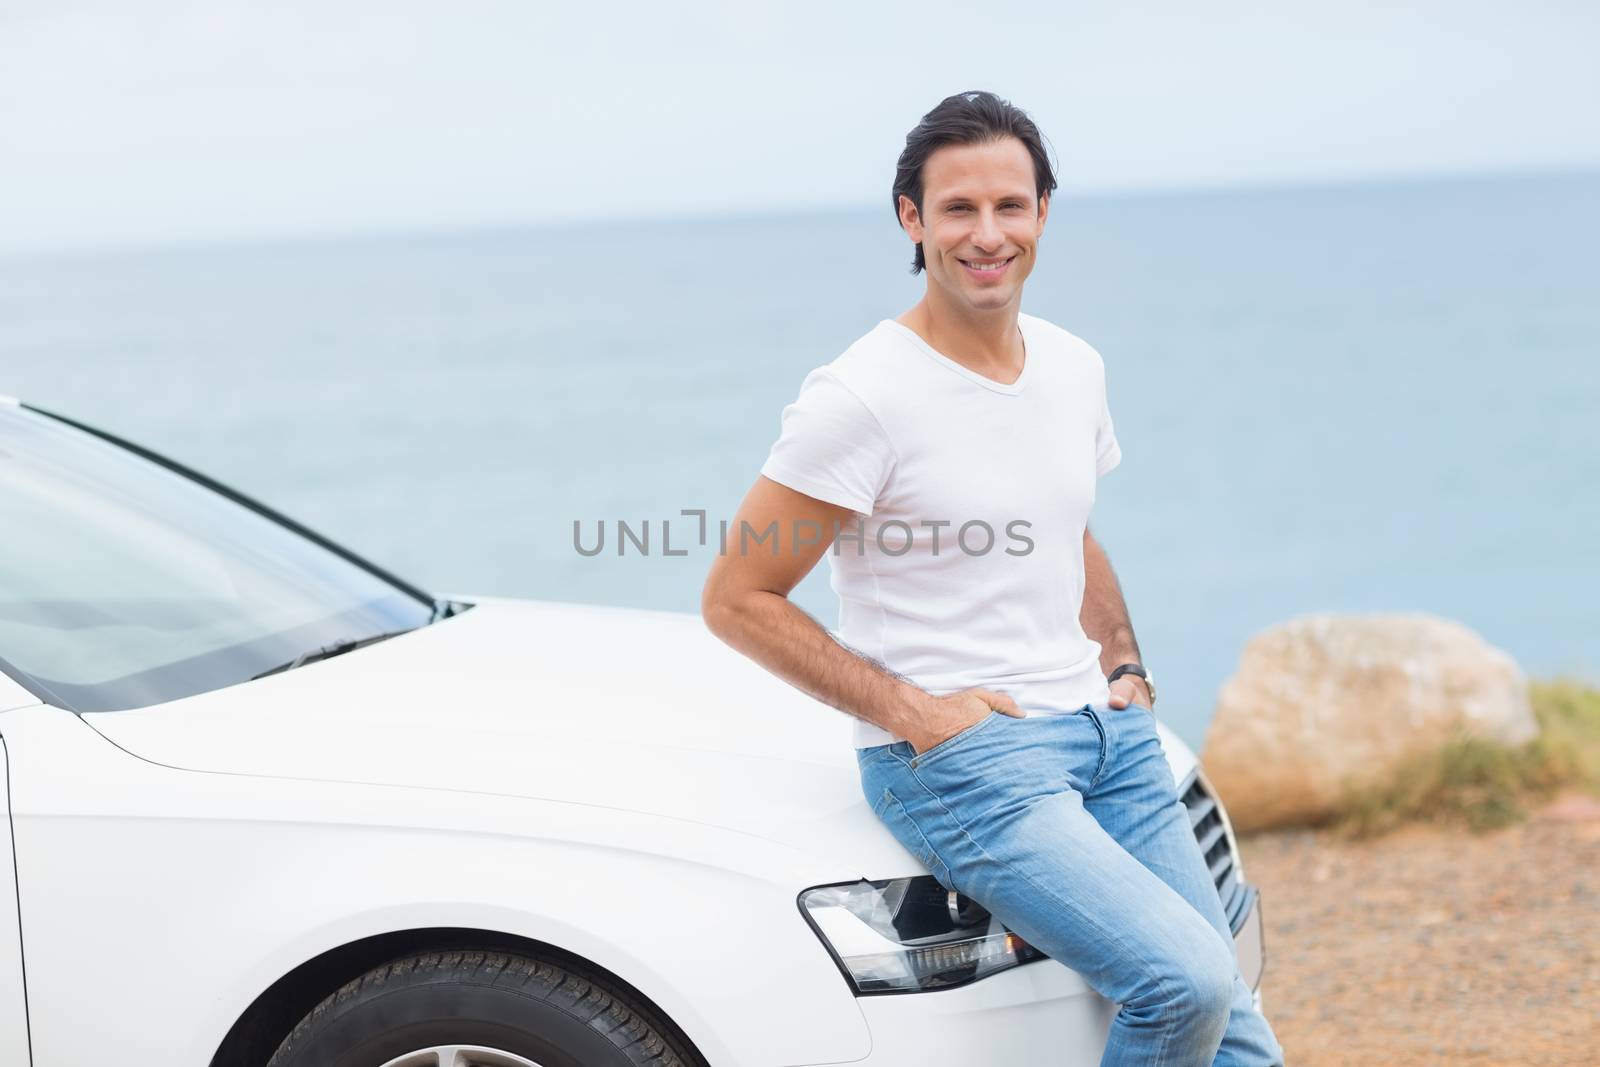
(1326, 703)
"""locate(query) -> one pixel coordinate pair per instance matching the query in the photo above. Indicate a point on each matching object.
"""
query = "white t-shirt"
(910, 439)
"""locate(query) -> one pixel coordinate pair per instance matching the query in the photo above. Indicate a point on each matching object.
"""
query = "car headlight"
(910, 935)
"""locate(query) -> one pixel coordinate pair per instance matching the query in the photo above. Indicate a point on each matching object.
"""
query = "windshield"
(124, 583)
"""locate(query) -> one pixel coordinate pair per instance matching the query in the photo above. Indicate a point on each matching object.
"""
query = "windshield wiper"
(337, 648)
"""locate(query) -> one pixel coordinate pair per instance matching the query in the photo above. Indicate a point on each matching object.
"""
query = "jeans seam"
(1100, 767)
(889, 796)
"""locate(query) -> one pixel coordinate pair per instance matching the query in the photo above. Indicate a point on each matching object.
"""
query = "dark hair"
(972, 117)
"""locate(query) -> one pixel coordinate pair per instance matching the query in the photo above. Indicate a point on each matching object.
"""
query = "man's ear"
(910, 219)
(1044, 210)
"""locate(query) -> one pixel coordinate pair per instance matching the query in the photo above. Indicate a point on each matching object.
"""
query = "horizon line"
(381, 233)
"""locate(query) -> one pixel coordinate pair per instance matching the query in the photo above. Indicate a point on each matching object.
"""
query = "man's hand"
(946, 716)
(1129, 689)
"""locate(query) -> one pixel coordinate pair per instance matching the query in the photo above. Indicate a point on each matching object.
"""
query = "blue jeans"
(1069, 829)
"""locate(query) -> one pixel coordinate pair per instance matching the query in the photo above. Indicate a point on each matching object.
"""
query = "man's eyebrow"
(967, 198)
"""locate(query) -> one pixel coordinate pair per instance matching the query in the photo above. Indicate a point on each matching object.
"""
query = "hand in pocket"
(949, 716)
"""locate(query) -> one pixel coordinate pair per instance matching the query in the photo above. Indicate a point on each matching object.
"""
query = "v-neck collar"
(1011, 389)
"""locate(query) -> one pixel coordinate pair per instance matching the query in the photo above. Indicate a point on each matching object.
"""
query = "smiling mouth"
(983, 266)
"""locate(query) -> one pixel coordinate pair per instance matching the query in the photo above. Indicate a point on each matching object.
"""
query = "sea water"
(1362, 398)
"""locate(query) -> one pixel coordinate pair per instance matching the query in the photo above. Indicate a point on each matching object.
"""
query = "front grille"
(1217, 848)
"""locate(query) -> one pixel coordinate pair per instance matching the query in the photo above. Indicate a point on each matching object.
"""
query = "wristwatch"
(1139, 671)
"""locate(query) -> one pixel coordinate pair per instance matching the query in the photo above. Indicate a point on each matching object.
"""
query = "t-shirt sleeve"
(1106, 450)
(831, 446)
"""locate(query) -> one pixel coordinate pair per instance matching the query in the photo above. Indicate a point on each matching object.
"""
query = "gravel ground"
(1435, 946)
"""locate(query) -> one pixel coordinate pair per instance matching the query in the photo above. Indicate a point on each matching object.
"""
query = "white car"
(269, 804)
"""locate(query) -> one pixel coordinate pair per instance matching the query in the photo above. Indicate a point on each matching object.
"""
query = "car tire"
(516, 1009)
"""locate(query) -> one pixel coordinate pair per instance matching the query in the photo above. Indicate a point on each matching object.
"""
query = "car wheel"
(479, 1009)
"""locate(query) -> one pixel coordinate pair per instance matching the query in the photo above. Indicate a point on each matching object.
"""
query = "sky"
(175, 121)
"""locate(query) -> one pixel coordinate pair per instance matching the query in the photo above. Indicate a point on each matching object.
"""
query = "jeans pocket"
(953, 741)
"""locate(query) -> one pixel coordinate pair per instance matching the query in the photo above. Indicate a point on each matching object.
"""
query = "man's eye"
(956, 207)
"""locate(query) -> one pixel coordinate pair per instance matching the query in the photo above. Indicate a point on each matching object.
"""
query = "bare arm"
(1105, 619)
(746, 603)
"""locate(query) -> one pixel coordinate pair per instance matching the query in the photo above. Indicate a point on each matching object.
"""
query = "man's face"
(980, 221)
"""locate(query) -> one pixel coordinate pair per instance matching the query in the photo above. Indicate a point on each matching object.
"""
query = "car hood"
(617, 707)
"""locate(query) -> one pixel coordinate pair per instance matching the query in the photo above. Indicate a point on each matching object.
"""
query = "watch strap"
(1138, 671)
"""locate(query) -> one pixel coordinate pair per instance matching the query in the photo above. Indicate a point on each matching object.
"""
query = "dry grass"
(1483, 785)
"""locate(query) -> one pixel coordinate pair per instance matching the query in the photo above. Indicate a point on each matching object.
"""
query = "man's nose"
(987, 235)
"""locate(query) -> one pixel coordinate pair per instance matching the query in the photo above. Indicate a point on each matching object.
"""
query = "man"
(949, 457)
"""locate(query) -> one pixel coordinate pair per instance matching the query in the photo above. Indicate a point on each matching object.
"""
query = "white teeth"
(987, 266)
